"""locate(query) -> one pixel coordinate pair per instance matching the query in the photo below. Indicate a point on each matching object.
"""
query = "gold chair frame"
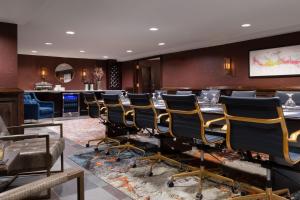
(127, 145)
(199, 172)
(268, 193)
(101, 107)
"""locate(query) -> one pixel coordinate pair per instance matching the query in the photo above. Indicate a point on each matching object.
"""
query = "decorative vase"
(91, 87)
(98, 85)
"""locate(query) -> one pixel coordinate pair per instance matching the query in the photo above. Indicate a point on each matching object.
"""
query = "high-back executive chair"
(95, 110)
(258, 125)
(251, 93)
(283, 96)
(118, 117)
(186, 122)
(145, 116)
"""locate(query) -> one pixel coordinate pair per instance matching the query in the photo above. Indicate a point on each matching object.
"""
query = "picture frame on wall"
(275, 62)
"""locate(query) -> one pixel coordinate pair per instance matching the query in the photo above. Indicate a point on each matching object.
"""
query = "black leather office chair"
(118, 117)
(251, 93)
(146, 116)
(96, 109)
(258, 125)
(186, 122)
(184, 92)
(284, 97)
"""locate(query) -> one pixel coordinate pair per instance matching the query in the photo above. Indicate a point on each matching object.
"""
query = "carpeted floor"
(134, 181)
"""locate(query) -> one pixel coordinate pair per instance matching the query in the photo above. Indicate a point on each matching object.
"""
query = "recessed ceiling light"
(70, 32)
(82, 51)
(129, 51)
(153, 29)
(161, 44)
(48, 43)
(34, 51)
(105, 57)
(246, 25)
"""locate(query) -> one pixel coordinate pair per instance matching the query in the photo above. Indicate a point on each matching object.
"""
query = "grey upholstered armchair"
(35, 152)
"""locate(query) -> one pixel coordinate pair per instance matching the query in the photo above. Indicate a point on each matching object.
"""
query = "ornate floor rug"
(82, 130)
(136, 183)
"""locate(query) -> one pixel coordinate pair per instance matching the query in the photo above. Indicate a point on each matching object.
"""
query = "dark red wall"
(8, 56)
(127, 74)
(204, 67)
(29, 70)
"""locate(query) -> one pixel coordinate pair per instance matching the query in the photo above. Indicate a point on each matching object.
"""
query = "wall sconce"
(43, 73)
(228, 66)
(84, 74)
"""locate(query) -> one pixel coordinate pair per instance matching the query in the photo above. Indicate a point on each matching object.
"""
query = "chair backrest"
(284, 97)
(251, 93)
(184, 92)
(89, 97)
(144, 111)
(210, 93)
(3, 128)
(186, 120)
(256, 124)
(29, 98)
(115, 109)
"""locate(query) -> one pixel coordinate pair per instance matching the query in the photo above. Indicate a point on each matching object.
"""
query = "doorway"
(148, 75)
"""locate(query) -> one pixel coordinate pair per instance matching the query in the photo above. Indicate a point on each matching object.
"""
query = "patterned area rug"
(82, 130)
(138, 185)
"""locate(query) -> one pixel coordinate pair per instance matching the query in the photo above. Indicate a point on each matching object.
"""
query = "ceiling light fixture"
(82, 51)
(70, 32)
(246, 25)
(153, 29)
(48, 43)
(105, 57)
(161, 44)
(129, 51)
(34, 51)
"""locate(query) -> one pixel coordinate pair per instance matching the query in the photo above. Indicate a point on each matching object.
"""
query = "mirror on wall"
(64, 73)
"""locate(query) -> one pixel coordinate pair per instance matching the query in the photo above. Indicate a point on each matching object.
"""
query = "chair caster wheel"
(134, 165)
(150, 174)
(199, 196)
(118, 159)
(243, 193)
(107, 153)
(170, 184)
(235, 189)
(96, 149)
(87, 145)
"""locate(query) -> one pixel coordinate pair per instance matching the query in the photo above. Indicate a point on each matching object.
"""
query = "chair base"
(125, 147)
(267, 195)
(157, 158)
(105, 140)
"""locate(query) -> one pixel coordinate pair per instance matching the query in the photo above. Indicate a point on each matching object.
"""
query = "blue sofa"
(36, 109)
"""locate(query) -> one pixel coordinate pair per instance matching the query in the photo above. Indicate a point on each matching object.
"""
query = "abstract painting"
(282, 61)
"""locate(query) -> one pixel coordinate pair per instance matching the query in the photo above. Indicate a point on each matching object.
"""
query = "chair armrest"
(129, 112)
(294, 136)
(46, 103)
(208, 123)
(103, 108)
(39, 126)
(26, 191)
(162, 115)
(23, 137)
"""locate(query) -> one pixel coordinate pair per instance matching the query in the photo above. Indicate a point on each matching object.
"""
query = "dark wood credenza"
(11, 106)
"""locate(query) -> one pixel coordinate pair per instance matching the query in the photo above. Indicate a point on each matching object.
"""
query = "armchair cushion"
(33, 153)
(46, 110)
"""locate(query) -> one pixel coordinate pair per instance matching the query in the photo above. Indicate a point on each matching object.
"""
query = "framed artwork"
(282, 61)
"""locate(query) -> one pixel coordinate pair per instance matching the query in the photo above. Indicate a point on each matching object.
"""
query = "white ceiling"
(110, 27)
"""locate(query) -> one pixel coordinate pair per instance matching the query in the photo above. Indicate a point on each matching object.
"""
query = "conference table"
(217, 109)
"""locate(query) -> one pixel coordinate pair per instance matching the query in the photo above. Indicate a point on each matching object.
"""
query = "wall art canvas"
(282, 61)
